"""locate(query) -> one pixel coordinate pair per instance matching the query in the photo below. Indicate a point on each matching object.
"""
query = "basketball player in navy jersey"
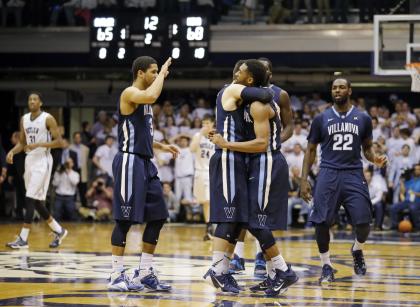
(342, 131)
(281, 98)
(38, 135)
(138, 195)
(228, 176)
(268, 172)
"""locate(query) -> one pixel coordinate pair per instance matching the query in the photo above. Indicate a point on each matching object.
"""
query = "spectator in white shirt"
(157, 134)
(403, 162)
(164, 165)
(376, 193)
(201, 109)
(196, 126)
(65, 182)
(184, 171)
(171, 202)
(407, 139)
(316, 102)
(104, 156)
(394, 143)
(298, 137)
(170, 129)
(376, 129)
(183, 114)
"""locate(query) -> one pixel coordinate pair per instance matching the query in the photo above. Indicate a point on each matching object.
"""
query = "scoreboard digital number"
(118, 38)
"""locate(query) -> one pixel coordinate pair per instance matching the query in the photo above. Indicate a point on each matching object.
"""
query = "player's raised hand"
(9, 157)
(165, 67)
(305, 190)
(172, 149)
(381, 161)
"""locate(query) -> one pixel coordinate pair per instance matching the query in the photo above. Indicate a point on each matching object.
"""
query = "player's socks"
(146, 262)
(24, 233)
(279, 263)
(218, 263)
(55, 226)
(325, 258)
(117, 263)
(239, 249)
(356, 246)
(270, 270)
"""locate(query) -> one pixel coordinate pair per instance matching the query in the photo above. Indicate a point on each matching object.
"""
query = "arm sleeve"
(262, 94)
(314, 136)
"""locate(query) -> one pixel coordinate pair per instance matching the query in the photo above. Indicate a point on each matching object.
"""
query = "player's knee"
(265, 238)
(228, 232)
(362, 232)
(152, 231)
(119, 234)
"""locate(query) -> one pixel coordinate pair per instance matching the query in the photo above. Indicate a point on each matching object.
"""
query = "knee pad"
(42, 210)
(29, 210)
(322, 236)
(228, 231)
(152, 231)
(119, 234)
(264, 236)
(362, 232)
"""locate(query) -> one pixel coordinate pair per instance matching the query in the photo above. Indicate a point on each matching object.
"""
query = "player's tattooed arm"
(308, 161)
(168, 148)
(261, 114)
(378, 160)
(19, 146)
(57, 141)
(286, 117)
(148, 96)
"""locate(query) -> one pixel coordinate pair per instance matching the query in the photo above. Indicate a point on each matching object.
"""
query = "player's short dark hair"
(270, 65)
(237, 65)
(258, 71)
(36, 93)
(342, 78)
(208, 117)
(142, 63)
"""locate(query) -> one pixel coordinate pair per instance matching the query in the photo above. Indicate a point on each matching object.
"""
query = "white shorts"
(37, 175)
(201, 188)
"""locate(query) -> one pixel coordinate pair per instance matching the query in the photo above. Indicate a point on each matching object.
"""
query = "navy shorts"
(268, 189)
(341, 187)
(138, 195)
(228, 187)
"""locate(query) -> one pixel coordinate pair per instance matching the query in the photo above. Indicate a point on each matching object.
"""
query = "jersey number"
(32, 139)
(343, 142)
(205, 154)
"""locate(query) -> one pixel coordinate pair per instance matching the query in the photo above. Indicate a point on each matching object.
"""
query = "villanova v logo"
(126, 211)
(229, 212)
(262, 218)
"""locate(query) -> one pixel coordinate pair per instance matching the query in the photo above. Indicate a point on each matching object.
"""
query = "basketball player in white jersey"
(203, 149)
(38, 134)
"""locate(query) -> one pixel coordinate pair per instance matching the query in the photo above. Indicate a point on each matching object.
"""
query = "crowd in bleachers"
(82, 183)
(78, 12)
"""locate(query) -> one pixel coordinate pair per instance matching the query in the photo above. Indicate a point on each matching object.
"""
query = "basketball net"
(414, 69)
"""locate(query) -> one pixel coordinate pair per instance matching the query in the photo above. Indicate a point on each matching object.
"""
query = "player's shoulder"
(362, 114)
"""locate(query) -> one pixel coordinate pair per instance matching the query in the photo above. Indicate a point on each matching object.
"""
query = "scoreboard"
(117, 38)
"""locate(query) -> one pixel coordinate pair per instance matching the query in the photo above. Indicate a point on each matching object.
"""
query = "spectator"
(185, 127)
(99, 197)
(410, 189)
(171, 130)
(15, 172)
(65, 182)
(157, 134)
(66, 153)
(316, 102)
(201, 109)
(249, 7)
(114, 126)
(168, 109)
(82, 152)
(12, 6)
(376, 196)
(158, 115)
(295, 158)
(394, 143)
(408, 140)
(294, 200)
(104, 156)
(398, 166)
(183, 114)
(99, 127)
(184, 171)
(309, 11)
(196, 126)
(164, 164)
(68, 7)
(298, 137)
(171, 202)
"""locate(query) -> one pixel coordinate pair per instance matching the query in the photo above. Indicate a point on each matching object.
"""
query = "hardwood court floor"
(76, 273)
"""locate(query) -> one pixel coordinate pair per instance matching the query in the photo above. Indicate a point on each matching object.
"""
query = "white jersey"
(36, 131)
(203, 155)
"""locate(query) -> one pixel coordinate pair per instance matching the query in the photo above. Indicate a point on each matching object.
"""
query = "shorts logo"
(126, 211)
(262, 218)
(229, 212)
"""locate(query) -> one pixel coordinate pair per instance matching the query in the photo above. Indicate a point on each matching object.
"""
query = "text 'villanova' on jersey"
(341, 136)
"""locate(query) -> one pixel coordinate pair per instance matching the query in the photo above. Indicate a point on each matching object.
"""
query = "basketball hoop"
(414, 69)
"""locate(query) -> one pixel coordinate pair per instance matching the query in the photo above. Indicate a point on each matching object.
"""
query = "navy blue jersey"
(230, 124)
(135, 131)
(341, 136)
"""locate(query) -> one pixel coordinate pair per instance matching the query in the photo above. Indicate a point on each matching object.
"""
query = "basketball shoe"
(327, 274)
(281, 282)
(359, 262)
(58, 238)
(18, 243)
(237, 265)
(150, 281)
(260, 270)
(226, 282)
(119, 281)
